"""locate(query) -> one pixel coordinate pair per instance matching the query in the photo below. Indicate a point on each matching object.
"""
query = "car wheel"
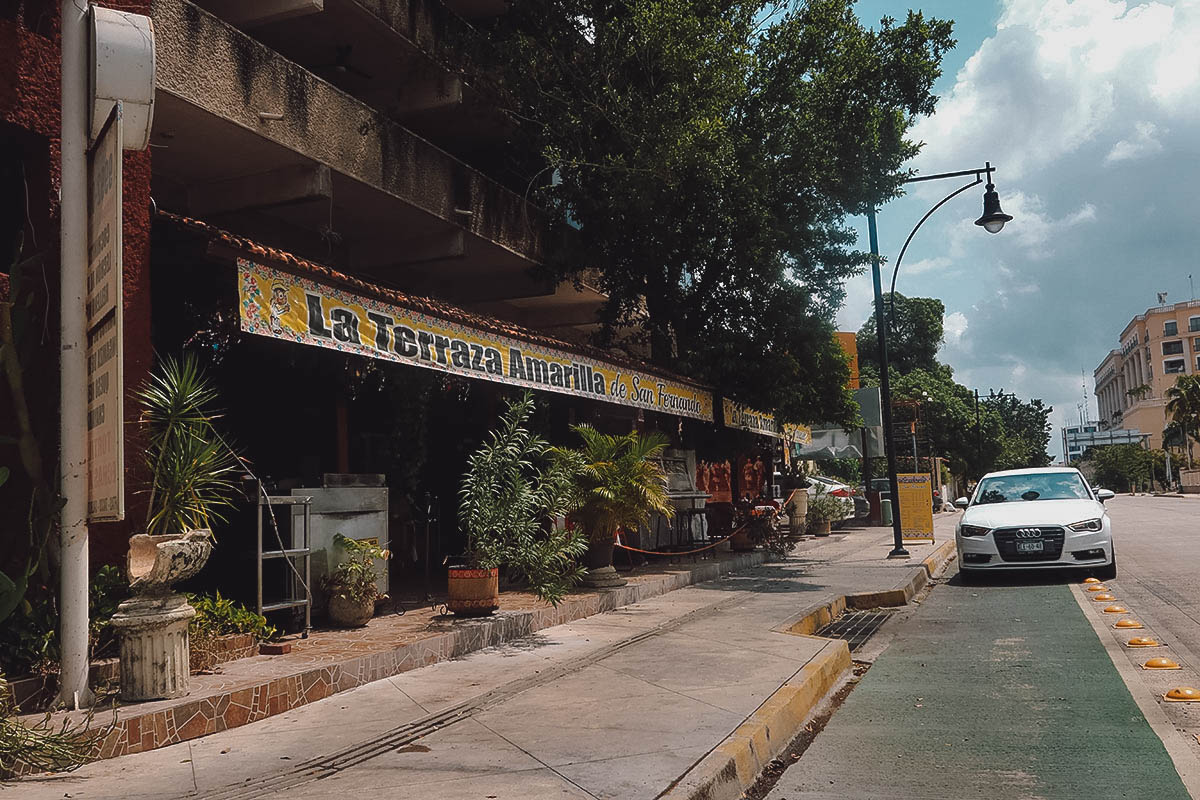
(1109, 571)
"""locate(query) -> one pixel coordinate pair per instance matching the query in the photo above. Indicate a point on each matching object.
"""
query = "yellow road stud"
(1141, 641)
(1116, 610)
(1097, 587)
(1128, 624)
(1101, 598)
(1182, 694)
(1161, 662)
(1091, 580)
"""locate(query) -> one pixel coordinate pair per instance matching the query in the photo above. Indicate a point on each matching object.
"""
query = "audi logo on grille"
(1029, 533)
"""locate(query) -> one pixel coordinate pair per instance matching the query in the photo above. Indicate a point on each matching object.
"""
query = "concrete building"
(1132, 381)
(1077, 439)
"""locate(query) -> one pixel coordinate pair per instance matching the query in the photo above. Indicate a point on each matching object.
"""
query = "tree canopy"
(706, 155)
(1006, 433)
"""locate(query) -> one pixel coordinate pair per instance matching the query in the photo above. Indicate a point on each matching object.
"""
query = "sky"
(1090, 112)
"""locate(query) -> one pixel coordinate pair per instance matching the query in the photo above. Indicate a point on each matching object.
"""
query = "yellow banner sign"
(916, 505)
(763, 422)
(284, 306)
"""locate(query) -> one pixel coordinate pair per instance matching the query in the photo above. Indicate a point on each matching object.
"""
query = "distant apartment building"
(1132, 381)
(1077, 439)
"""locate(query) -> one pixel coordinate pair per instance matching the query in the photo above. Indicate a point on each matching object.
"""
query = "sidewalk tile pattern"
(328, 662)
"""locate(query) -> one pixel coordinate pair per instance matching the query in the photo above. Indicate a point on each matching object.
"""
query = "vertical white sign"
(105, 324)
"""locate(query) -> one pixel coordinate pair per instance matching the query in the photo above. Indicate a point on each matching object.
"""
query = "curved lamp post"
(992, 221)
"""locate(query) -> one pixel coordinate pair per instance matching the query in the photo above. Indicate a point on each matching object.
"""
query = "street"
(1017, 688)
(1007, 689)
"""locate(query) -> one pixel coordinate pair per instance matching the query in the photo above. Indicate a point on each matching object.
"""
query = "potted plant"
(515, 487)
(621, 485)
(823, 508)
(191, 483)
(351, 584)
(192, 468)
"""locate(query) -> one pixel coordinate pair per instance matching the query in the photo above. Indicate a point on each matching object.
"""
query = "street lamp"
(992, 221)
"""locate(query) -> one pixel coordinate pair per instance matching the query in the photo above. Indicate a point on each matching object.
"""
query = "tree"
(1123, 467)
(707, 154)
(1183, 404)
(915, 334)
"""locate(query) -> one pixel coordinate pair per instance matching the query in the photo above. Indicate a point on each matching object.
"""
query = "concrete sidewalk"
(618, 705)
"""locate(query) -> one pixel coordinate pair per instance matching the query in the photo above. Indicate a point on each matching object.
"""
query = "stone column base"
(154, 646)
(603, 578)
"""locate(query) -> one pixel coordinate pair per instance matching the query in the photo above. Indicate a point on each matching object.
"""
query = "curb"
(733, 766)
(931, 567)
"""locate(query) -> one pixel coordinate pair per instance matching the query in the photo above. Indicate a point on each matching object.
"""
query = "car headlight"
(1087, 525)
(973, 530)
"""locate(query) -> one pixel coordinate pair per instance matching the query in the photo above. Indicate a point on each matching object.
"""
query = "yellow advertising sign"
(285, 306)
(916, 505)
(762, 422)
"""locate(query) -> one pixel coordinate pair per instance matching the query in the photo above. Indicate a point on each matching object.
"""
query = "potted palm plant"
(621, 486)
(351, 584)
(823, 508)
(515, 487)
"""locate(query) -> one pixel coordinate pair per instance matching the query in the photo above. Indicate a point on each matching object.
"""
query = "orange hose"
(680, 552)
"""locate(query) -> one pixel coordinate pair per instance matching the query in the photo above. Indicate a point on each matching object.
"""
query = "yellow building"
(1132, 381)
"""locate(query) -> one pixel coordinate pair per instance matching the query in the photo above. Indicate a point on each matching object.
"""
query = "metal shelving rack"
(301, 552)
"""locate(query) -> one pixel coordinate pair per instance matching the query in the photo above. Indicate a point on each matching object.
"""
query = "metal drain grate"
(856, 627)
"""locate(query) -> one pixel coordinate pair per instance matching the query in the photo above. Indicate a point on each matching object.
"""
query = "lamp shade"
(993, 218)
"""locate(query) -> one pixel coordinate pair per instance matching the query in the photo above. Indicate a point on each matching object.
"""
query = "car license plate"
(1029, 547)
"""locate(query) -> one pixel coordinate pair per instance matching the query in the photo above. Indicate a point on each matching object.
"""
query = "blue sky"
(1090, 111)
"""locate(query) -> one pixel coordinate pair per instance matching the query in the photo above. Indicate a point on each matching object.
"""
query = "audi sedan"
(1047, 517)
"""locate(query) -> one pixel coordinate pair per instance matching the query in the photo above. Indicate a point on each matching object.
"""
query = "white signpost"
(105, 353)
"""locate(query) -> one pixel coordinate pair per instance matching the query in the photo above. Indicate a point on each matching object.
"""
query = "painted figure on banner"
(278, 307)
(715, 477)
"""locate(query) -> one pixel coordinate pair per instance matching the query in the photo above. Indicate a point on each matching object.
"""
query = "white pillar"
(73, 611)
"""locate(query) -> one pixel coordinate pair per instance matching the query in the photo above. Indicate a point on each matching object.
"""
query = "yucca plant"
(621, 483)
(514, 487)
(192, 469)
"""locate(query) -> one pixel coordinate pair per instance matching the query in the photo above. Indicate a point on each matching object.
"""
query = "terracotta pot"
(820, 527)
(473, 592)
(346, 612)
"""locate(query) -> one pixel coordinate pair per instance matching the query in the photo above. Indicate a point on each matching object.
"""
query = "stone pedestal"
(603, 578)
(153, 631)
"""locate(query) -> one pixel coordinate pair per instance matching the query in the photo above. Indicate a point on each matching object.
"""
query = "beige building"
(1132, 381)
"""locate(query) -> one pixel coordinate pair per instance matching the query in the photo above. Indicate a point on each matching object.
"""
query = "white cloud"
(1057, 75)
(955, 325)
(925, 265)
(1034, 227)
(1143, 143)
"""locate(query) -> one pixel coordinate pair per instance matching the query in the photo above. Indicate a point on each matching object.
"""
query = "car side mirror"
(962, 502)
(1105, 494)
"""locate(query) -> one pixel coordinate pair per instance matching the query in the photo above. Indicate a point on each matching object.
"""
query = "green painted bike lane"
(997, 692)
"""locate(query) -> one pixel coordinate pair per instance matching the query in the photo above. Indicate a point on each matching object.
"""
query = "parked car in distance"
(1035, 518)
(837, 489)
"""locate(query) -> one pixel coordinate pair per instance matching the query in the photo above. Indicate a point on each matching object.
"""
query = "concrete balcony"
(405, 58)
(257, 143)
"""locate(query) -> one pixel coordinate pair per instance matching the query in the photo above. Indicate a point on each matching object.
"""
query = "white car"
(1046, 517)
(833, 488)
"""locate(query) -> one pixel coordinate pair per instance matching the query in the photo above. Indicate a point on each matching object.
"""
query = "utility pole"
(73, 529)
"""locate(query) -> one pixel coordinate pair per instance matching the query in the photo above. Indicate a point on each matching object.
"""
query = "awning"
(310, 304)
(736, 415)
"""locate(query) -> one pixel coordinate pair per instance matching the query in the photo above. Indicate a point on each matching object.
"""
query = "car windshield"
(1035, 486)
